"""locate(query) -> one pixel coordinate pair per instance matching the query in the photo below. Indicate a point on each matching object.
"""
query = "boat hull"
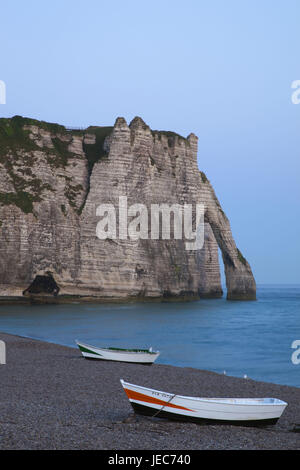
(149, 402)
(147, 411)
(119, 355)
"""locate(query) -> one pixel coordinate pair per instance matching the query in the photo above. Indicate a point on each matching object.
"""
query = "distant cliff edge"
(52, 179)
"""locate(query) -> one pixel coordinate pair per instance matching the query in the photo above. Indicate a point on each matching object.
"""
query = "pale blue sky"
(221, 69)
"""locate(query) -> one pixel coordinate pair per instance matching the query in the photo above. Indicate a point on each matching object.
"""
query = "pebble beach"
(51, 398)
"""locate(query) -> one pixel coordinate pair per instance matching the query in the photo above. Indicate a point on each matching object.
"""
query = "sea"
(236, 338)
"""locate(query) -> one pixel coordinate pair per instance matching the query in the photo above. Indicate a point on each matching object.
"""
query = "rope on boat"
(169, 401)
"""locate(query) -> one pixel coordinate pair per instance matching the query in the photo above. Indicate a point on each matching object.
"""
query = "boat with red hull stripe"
(246, 411)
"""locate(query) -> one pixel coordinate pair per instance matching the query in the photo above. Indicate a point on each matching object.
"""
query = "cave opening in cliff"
(43, 284)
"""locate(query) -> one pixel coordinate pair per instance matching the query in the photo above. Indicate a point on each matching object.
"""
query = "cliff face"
(51, 182)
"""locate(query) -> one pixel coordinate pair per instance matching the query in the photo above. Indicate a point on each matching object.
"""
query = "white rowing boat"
(142, 356)
(149, 402)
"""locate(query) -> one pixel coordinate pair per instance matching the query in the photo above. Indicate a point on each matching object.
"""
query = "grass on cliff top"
(169, 134)
(16, 154)
(13, 136)
(28, 188)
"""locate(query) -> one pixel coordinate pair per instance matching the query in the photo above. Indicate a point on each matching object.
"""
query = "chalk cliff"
(53, 179)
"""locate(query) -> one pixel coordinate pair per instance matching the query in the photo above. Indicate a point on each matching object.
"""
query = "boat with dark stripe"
(240, 411)
(141, 356)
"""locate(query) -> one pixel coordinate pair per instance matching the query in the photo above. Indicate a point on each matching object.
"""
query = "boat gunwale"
(119, 350)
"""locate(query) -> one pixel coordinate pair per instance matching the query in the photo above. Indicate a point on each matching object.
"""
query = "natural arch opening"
(222, 272)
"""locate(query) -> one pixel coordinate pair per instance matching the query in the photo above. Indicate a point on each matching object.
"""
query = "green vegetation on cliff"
(170, 136)
(59, 155)
(94, 152)
(203, 177)
(13, 137)
(241, 257)
(21, 199)
(18, 156)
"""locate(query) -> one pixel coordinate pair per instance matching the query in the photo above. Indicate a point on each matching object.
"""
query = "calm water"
(252, 338)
